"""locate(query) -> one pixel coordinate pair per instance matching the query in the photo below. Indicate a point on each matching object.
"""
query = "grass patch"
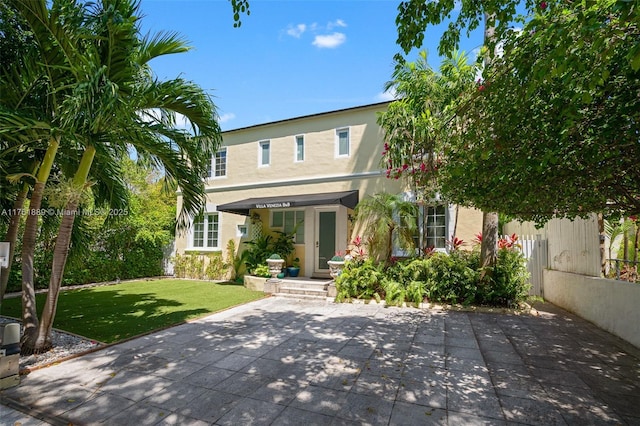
(115, 312)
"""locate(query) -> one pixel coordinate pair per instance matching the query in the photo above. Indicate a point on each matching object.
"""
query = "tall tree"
(565, 116)
(414, 16)
(415, 140)
(116, 103)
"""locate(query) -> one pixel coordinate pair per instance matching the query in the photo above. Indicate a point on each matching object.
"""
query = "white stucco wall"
(610, 304)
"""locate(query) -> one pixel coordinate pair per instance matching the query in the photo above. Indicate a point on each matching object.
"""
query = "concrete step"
(301, 296)
(303, 290)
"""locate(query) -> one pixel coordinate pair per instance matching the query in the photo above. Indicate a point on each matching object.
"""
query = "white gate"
(534, 249)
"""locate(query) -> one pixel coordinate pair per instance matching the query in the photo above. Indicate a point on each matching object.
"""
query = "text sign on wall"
(277, 205)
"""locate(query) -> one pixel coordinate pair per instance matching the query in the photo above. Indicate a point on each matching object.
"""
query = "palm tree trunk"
(29, 313)
(12, 237)
(42, 341)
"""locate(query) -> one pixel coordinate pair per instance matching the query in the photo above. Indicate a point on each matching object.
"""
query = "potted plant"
(336, 264)
(294, 269)
(275, 263)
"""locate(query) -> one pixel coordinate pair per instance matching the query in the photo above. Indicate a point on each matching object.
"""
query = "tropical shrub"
(508, 284)
(440, 277)
(449, 280)
(361, 281)
(216, 268)
(258, 250)
(262, 271)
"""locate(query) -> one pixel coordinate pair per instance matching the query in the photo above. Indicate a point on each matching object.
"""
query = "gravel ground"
(64, 345)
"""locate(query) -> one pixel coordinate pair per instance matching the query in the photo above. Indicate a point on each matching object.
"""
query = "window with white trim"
(436, 226)
(206, 231)
(220, 163)
(430, 230)
(289, 221)
(343, 148)
(264, 154)
(299, 148)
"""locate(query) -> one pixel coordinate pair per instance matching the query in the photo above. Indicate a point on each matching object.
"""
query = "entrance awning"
(345, 198)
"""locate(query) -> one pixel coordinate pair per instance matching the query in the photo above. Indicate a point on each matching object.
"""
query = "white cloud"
(337, 23)
(296, 30)
(389, 95)
(226, 117)
(330, 41)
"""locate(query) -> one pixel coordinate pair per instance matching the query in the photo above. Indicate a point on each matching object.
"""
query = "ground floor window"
(430, 230)
(206, 231)
(289, 221)
(435, 226)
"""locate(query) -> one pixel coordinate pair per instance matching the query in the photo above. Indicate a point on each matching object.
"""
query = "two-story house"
(306, 173)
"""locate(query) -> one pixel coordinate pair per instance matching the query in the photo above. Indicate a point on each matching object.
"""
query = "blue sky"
(289, 58)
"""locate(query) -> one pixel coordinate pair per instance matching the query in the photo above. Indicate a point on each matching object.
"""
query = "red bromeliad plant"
(507, 242)
(455, 243)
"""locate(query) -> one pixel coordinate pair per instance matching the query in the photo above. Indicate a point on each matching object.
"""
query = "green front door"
(325, 239)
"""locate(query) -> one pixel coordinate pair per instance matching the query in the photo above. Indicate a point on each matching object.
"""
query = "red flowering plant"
(357, 253)
(455, 243)
(507, 242)
(429, 251)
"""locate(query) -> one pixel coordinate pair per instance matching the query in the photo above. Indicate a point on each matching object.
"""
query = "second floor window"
(220, 163)
(299, 148)
(343, 148)
(264, 154)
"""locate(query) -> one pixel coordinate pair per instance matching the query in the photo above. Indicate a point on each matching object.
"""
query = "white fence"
(534, 249)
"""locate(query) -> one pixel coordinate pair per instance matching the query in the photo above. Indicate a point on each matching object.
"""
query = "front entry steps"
(302, 288)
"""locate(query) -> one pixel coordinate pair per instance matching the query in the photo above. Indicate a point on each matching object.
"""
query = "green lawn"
(112, 313)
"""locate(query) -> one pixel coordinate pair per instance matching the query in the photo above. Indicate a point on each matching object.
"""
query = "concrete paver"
(282, 361)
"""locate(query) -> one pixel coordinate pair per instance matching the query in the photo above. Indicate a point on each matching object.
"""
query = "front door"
(325, 239)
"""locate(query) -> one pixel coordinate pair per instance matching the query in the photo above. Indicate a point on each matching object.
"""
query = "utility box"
(4, 254)
(10, 356)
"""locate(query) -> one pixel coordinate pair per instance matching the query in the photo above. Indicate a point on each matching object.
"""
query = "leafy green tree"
(565, 119)
(556, 110)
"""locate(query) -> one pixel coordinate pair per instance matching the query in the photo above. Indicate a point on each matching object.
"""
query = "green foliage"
(283, 245)
(394, 292)
(449, 280)
(441, 278)
(385, 217)
(275, 256)
(216, 268)
(235, 261)
(361, 281)
(566, 85)
(508, 283)
(189, 266)
(258, 250)
(262, 270)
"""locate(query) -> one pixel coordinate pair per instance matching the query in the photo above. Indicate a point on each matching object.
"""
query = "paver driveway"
(282, 361)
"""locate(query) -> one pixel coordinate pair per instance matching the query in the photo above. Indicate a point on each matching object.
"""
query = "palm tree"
(117, 103)
(385, 218)
(416, 126)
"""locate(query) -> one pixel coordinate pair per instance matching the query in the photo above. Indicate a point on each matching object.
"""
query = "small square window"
(243, 231)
